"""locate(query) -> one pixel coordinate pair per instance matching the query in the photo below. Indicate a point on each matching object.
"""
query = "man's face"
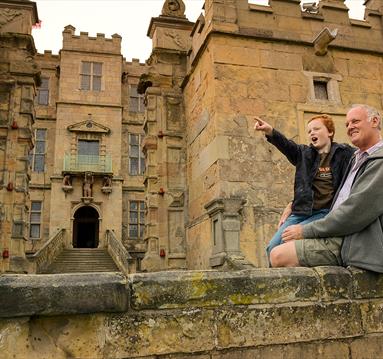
(362, 132)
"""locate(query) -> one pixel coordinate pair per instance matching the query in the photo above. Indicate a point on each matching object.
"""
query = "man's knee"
(276, 257)
(284, 256)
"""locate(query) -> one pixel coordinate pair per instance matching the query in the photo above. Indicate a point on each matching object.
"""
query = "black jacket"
(306, 160)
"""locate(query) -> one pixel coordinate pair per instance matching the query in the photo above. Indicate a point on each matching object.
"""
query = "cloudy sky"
(128, 18)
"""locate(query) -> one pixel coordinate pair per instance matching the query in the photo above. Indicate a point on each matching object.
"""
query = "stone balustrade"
(43, 258)
(118, 252)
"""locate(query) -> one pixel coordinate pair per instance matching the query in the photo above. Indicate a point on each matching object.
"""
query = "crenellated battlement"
(286, 20)
(86, 43)
(135, 62)
(48, 55)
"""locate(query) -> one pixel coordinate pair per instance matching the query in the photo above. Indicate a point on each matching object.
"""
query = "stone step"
(83, 260)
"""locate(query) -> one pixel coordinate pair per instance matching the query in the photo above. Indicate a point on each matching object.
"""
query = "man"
(352, 233)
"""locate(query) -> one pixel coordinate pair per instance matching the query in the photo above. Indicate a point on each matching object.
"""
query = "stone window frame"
(135, 96)
(32, 222)
(42, 154)
(332, 81)
(140, 223)
(140, 158)
(88, 77)
(42, 97)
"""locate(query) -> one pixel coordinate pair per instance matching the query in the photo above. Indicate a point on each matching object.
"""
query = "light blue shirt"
(359, 158)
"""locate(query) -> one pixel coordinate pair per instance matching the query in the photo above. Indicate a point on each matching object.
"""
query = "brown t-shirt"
(322, 184)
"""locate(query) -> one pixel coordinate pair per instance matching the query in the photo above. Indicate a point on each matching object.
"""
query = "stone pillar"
(19, 76)
(164, 145)
(225, 215)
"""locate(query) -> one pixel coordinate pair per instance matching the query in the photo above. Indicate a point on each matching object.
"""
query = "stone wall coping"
(58, 294)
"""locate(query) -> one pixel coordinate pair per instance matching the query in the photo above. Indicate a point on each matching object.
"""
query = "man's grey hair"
(371, 113)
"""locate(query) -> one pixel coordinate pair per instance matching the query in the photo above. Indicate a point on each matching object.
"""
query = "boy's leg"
(317, 214)
(277, 238)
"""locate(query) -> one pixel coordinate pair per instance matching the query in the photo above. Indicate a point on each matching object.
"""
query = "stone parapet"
(327, 312)
(61, 294)
(86, 43)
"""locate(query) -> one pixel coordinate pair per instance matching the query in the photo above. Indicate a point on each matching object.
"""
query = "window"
(91, 73)
(136, 219)
(136, 157)
(43, 92)
(320, 90)
(88, 148)
(88, 154)
(136, 100)
(38, 157)
(17, 229)
(35, 220)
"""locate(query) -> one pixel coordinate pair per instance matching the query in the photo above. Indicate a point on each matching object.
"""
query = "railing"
(87, 163)
(118, 252)
(49, 251)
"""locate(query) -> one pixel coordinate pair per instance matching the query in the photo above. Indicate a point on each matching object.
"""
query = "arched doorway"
(85, 228)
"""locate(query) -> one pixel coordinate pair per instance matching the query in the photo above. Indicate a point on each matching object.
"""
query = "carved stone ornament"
(67, 184)
(174, 8)
(7, 15)
(322, 41)
(89, 126)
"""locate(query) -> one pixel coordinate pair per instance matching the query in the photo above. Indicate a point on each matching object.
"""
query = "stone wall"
(325, 312)
(249, 60)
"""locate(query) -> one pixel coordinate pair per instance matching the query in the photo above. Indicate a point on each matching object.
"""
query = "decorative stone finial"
(173, 8)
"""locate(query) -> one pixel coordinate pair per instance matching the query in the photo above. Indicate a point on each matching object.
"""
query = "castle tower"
(19, 76)
(164, 145)
(86, 183)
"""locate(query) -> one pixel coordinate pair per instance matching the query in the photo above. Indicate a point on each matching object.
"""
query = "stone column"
(164, 145)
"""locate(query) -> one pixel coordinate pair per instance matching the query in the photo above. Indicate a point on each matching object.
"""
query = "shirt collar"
(370, 150)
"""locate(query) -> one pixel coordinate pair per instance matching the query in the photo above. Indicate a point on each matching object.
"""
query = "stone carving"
(67, 184)
(176, 38)
(67, 181)
(322, 41)
(7, 15)
(106, 185)
(173, 8)
(87, 185)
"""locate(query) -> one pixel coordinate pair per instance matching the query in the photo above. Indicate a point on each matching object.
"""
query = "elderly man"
(352, 233)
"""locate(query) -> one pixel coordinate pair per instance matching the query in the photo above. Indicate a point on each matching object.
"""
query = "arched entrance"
(85, 228)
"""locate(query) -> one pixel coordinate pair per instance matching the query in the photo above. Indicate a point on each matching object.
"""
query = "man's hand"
(261, 125)
(286, 212)
(293, 232)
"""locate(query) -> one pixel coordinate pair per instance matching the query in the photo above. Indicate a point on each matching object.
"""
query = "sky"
(128, 18)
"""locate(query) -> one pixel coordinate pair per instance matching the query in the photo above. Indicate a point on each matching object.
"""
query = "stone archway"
(85, 228)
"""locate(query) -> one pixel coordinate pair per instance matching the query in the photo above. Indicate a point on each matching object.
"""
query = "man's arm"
(362, 207)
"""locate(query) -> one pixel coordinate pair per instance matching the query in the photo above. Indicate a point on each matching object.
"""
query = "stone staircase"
(82, 260)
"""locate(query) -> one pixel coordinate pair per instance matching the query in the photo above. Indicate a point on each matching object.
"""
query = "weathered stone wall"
(323, 312)
(249, 60)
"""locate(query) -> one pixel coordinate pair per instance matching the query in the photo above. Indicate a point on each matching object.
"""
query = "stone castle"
(158, 163)
(163, 155)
